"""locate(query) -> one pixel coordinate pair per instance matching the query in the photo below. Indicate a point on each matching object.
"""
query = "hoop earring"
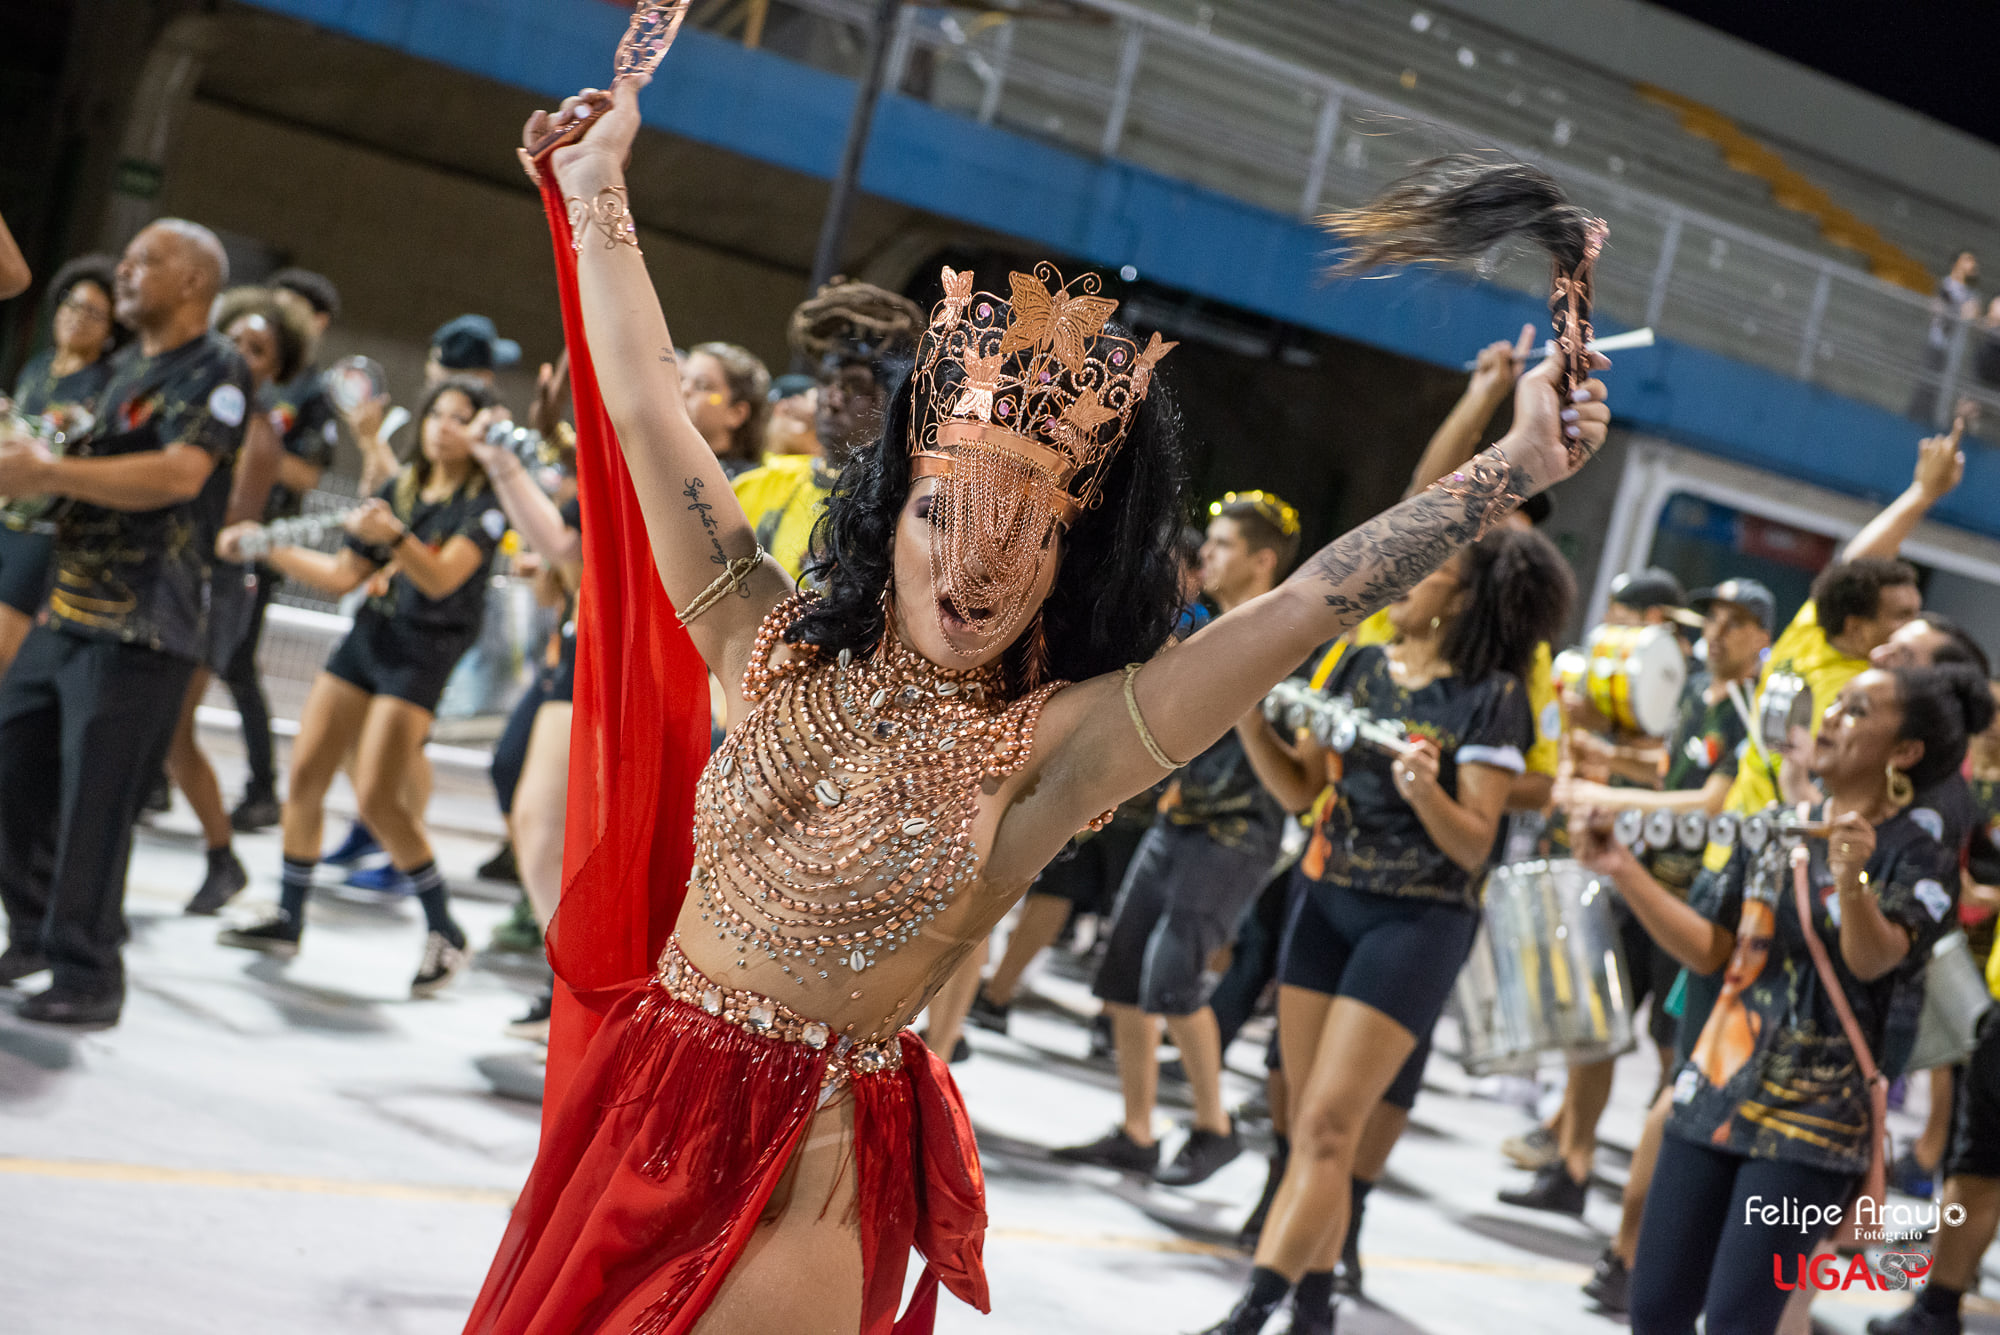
(1901, 791)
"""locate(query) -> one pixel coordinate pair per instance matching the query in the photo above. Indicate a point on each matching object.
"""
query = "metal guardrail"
(1228, 116)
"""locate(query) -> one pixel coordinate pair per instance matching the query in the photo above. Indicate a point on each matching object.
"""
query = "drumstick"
(1635, 338)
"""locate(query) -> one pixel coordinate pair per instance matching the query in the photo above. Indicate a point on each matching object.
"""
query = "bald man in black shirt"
(89, 707)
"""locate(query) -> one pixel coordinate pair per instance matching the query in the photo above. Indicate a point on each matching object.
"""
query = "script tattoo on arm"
(705, 512)
(1377, 563)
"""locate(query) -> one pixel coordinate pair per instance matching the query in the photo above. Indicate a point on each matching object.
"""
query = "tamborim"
(1785, 703)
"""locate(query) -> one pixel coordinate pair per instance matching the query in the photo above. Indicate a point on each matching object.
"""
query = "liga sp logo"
(1893, 1271)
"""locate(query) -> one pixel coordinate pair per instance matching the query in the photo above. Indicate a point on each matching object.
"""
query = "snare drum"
(1634, 676)
(1545, 973)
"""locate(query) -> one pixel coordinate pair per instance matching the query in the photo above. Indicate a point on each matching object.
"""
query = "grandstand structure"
(1763, 252)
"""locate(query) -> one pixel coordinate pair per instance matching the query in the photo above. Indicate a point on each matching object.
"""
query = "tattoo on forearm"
(705, 512)
(1378, 562)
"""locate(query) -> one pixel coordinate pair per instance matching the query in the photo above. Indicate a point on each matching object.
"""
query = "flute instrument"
(1334, 721)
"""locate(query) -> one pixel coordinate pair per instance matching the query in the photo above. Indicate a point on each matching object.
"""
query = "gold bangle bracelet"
(1146, 737)
(723, 585)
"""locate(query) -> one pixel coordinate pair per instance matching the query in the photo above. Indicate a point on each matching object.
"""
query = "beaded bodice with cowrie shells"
(833, 827)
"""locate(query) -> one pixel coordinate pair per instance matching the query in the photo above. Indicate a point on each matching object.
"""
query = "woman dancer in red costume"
(741, 1134)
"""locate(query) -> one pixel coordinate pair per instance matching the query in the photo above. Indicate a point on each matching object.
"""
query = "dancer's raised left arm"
(1109, 737)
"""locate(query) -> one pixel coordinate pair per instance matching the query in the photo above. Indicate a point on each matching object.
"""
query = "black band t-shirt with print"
(470, 512)
(1770, 1074)
(1370, 838)
(1706, 740)
(308, 428)
(141, 577)
(1220, 794)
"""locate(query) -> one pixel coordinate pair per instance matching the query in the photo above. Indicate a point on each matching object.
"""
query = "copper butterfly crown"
(1032, 383)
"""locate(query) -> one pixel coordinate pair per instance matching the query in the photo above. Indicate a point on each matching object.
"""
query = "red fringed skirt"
(673, 1134)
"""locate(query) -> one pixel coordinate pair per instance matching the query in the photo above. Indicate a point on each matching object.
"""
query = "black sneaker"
(534, 1026)
(1246, 1318)
(1347, 1271)
(1202, 1155)
(988, 1013)
(259, 810)
(1307, 1323)
(276, 935)
(159, 798)
(16, 964)
(1917, 1321)
(225, 880)
(1553, 1190)
(501, 867)
(66, 1006)
(1610, 1283)
(1113, 1150)
(442, 962)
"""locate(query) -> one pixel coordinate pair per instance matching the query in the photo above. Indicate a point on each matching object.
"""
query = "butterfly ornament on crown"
(1019, 407)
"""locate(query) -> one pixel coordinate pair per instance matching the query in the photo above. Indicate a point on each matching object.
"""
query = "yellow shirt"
(1803, 649)
(1541, 685)
(782, 500)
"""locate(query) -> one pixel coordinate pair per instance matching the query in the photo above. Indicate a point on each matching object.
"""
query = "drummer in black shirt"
(1772, 1104)
(308, 428)
(437, 526)
(1387, 896)
(58, 385)
(90, 704)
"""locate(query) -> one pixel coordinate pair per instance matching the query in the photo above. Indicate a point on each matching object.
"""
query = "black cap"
(1747, 594)
(1651, 587)
(471, 343)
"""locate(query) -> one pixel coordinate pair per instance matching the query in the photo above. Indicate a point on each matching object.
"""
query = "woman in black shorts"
(274, 336)
(435, 526)
(1386, 896)
(1771, 1100)
(59, 383)
(536, 816)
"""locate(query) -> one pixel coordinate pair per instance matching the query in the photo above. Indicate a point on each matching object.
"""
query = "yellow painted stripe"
(152, 1175)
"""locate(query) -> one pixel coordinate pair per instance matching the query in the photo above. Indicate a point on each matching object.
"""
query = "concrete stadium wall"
(411, 246)
(1109, 214)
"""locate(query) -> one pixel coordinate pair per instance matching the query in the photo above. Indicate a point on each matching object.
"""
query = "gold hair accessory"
(733, 574)
(1020, 404)
(1146, 738)
(1267, 503)
(612, 214)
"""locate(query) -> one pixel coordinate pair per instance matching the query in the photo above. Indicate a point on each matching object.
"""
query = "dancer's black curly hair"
(1944, 707)
(1117, 594)
(1519, 591)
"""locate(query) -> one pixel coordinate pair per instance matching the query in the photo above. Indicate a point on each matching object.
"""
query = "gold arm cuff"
(723, 585)
(1146, 737)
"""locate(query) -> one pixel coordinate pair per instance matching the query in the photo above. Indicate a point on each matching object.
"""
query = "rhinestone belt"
(755, 1013)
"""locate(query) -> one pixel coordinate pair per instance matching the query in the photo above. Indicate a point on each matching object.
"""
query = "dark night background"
(1938, 57)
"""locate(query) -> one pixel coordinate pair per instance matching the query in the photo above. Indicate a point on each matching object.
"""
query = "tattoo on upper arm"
(706, 514)
(1377, 563)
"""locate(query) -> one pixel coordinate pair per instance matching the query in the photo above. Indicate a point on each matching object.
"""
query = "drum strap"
(1873, 1182)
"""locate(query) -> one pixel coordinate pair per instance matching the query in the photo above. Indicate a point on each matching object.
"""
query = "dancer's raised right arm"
(693, 522)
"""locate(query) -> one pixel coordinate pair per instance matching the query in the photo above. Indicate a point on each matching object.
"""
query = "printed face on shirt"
(1752, 951)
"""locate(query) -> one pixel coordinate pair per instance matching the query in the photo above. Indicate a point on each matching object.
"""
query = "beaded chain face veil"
(1019, 406)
